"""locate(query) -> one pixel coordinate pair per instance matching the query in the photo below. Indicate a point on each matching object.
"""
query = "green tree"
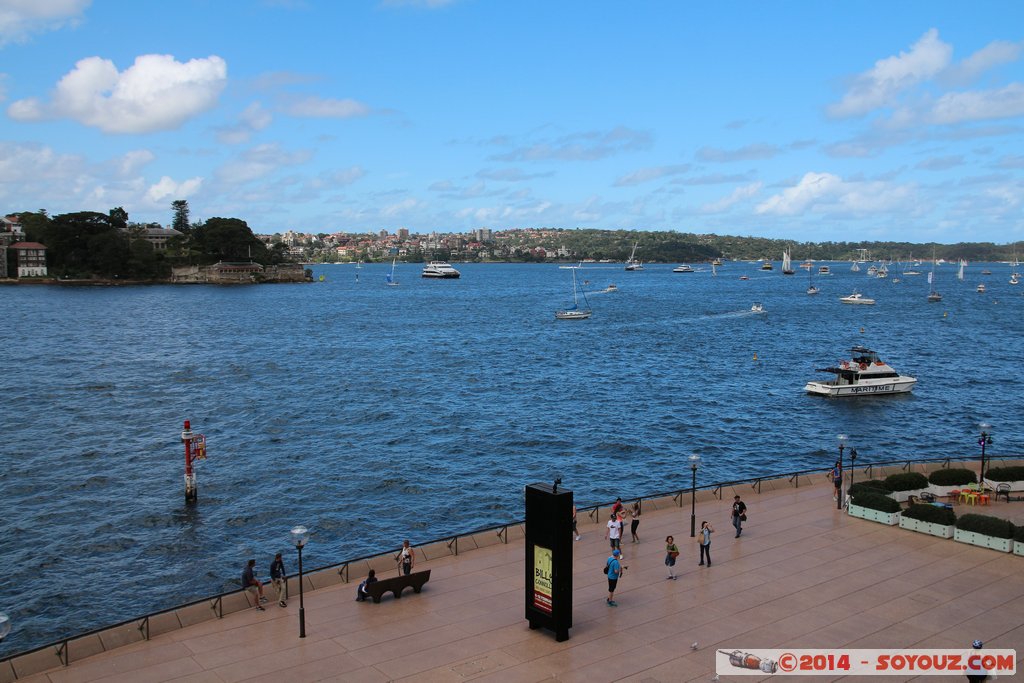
(228, 239)
(180, 222)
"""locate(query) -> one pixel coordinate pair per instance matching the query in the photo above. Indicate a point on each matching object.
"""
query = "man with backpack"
(613, 568)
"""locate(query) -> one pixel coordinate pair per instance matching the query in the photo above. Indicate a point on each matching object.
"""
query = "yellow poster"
(542, 578)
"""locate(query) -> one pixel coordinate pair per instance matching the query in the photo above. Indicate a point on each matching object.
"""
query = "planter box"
(890, 518)
(1018, 548)
(1014, 485)
(901, 496)
(1003, 545)
(930, 528)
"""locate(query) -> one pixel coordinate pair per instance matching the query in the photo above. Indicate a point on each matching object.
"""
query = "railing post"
(455, 542)
(218, 607)
(343, 572)
(503, 534)
(718, 492)
(756, 485)
(144, 627)
(62, 652)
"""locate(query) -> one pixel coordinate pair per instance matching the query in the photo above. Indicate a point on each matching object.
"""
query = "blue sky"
(799, 120)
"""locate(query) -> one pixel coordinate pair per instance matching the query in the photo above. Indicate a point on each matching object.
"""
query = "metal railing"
(62, 649)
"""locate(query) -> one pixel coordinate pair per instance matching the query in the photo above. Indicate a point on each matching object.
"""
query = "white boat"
(767, 265)
(981, 288)
(811, 289)
(716, 262)
(857, 298)
(933, 296)
(872, 271)
(683, 269)
(390, 277)
(855, 268)
(863, 375)
(440, 269)
(824, 270)
(575, 313)
(1015, 278)
(787, 268)
(960, 271)
(611, 288)
(757, 308)
(632, 263)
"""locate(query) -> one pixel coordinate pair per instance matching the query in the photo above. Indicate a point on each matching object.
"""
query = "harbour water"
(373, 413)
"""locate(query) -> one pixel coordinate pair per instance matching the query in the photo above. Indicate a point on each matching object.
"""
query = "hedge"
(906, 481)
(931, 513)
(869, 486)
(876, 501)
(1015, 473)
(986, 525)
(953, 477)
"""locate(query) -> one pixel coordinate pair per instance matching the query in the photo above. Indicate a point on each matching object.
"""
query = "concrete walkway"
(803, 575)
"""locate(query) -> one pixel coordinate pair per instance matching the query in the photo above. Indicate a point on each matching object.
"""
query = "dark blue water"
(373, 413)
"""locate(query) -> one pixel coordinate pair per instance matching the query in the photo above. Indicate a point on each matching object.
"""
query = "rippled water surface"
(373, 413)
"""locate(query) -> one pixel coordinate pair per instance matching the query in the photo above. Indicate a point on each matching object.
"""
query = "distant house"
(30, 258)
(158, 237)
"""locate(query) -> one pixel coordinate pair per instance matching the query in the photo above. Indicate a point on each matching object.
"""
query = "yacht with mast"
(575, 313)
(632, 263)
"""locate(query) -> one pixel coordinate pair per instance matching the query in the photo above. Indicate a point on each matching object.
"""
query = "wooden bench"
(396, 583)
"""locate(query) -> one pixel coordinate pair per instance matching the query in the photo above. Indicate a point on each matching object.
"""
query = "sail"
(960, 273)
(930, 277)
(785, 260)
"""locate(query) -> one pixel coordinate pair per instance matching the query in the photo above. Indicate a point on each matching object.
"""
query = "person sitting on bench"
(361, 593)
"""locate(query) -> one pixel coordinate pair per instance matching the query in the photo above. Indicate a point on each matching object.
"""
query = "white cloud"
(992, 55)
(130, 162)
(252, 119)
(168, 188)
(958, 107)
(739, 194)
(259, 162)
(326, 107)
(21, 18)
(586, 146)
(644, 175)
(747, 153)
(825, 192)
(879, 86)
(941, 163)
(155, 93)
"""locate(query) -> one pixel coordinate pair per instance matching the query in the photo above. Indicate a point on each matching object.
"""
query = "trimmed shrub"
(953, 477)
(906, 481)
(1015, 473)
(930, 513)
(876, 501)
(869, 486)
(986, 525)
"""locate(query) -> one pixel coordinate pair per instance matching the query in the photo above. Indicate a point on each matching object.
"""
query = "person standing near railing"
(406, 558)
(252, 584)
(739, 514)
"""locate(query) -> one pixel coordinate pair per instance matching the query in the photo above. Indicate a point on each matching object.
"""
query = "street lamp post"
(984, 440)
(694, 464)
(839, 497)
(853, 464)
(300, 536)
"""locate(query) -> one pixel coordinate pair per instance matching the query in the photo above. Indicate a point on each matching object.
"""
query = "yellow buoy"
(755, 356)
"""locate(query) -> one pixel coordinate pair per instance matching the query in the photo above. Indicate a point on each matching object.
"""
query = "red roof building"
(31, 259)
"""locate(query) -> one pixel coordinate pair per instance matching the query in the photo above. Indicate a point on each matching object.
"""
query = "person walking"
(614, 569)
(704, 539)
(575, 530)
(252, 584)
(406, 558)
(279, 577)
(977, 676)
(671, 553)
(634, 512)
(739, 514)
(837, 480)
(614, 532)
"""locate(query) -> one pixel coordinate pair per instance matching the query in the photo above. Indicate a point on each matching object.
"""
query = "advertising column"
(549, 558)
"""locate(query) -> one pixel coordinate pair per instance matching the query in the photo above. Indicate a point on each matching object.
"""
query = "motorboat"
(757, 308)
(981, 288)
(717, 262)
(744, 277)
(611, 288)
(440, 269)
(683, 269)
(857, 298)
(824, 270)
(812, 290)
(767, 265)
(864, 374)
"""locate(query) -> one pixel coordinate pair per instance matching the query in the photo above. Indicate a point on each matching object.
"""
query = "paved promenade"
(803, 575)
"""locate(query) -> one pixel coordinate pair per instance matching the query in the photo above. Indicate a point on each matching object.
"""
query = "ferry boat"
(824, 270)
(683, 269)
(857, 298)
(864, 374)
(440, 269)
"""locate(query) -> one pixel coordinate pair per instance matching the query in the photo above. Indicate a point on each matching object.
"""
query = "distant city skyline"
(874, 121)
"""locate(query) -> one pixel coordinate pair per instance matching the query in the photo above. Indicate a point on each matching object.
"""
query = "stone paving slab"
(802, 575)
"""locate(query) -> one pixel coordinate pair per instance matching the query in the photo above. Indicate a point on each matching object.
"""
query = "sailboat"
(960, 272)
(811, 289)
(1014, 275)
(633, 264)
(933, 296)
(575, 313)
(714, 268)
(855, 268)
(787, 268)
(390, 277)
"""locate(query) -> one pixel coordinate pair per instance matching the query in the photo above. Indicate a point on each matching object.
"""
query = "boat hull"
(898, 385)
(572, 315)
(442, 276)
